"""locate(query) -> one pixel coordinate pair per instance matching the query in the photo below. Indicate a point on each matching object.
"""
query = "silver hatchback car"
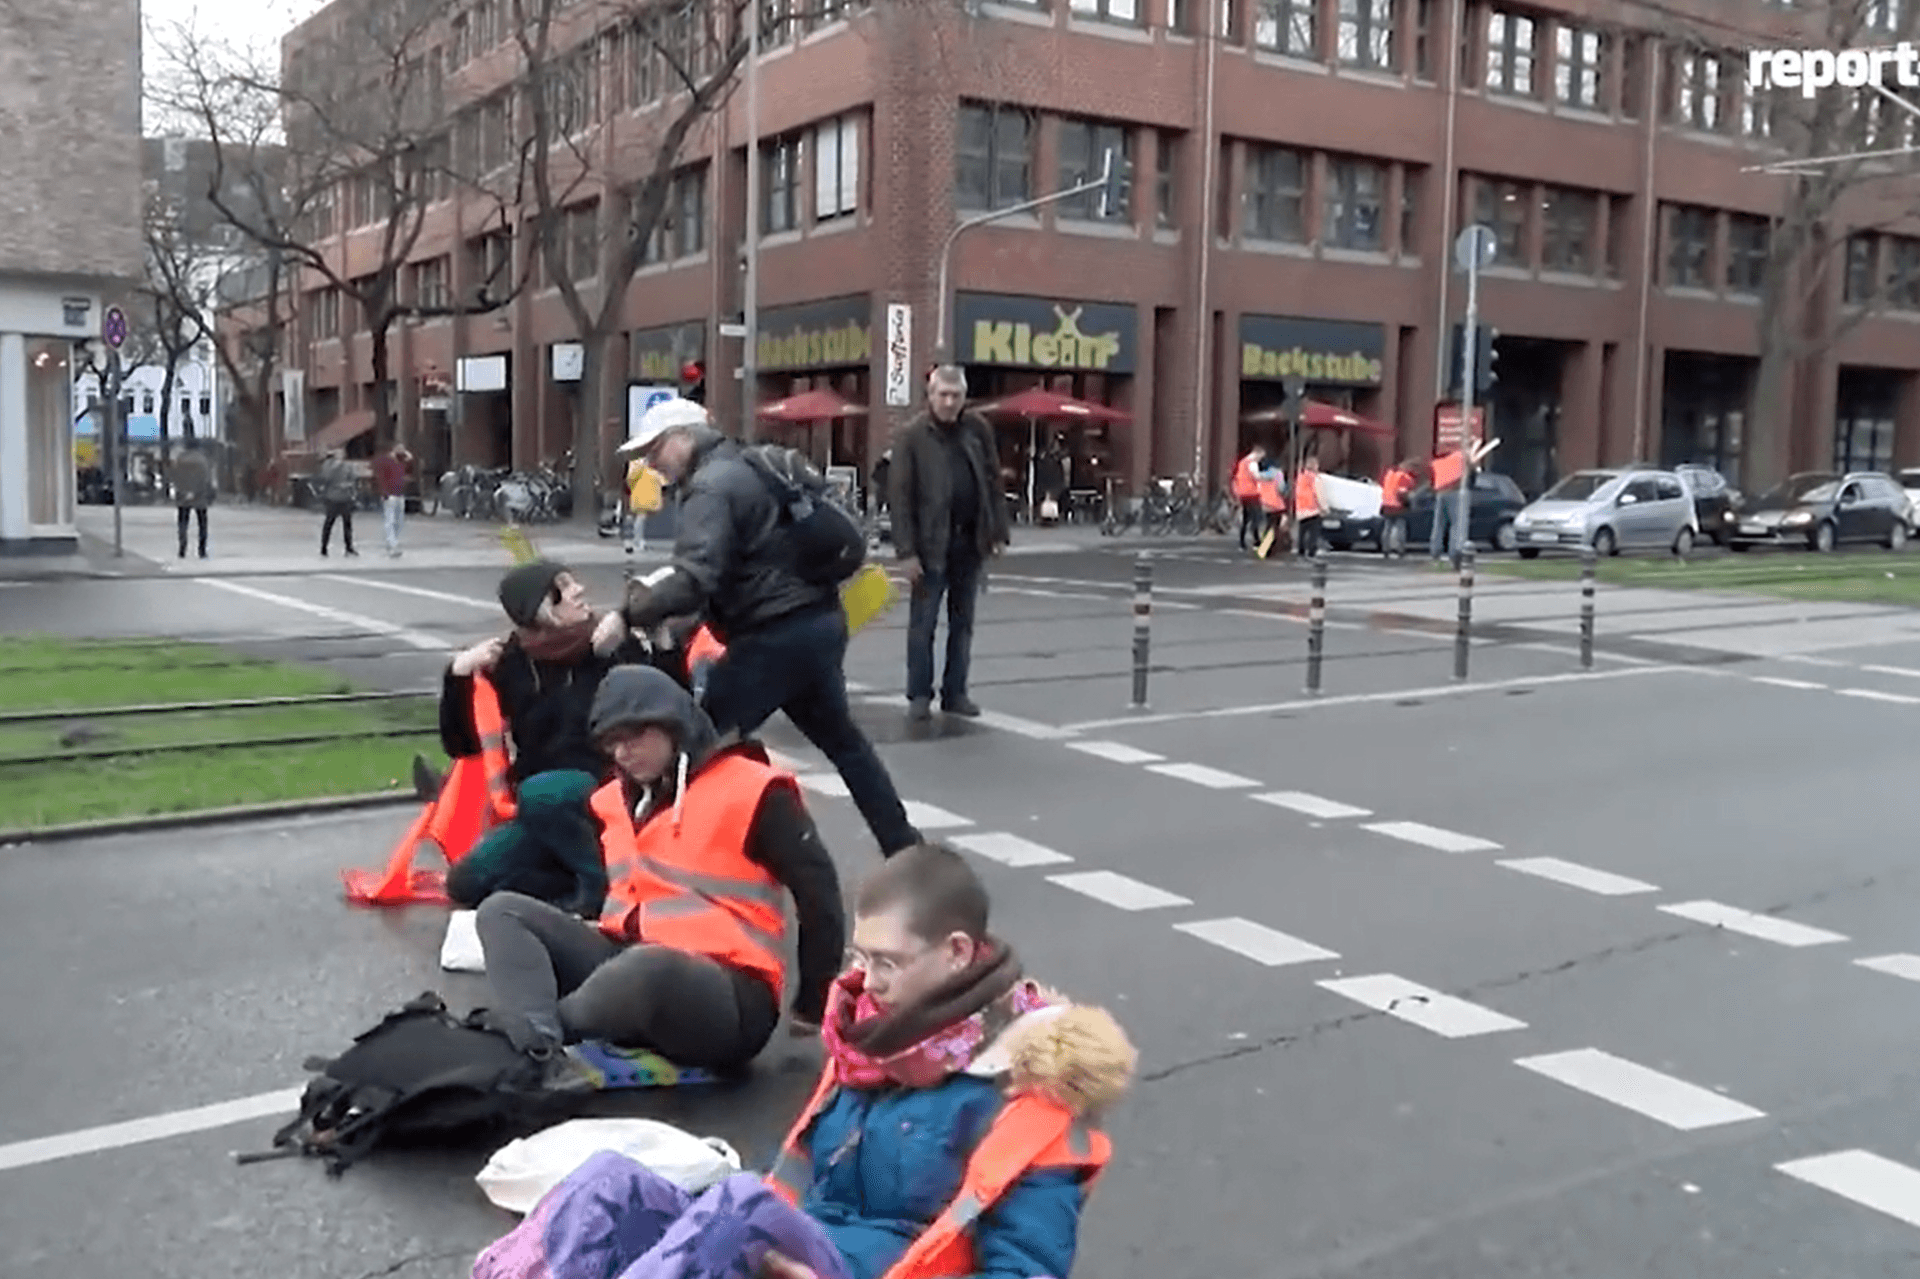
(1611, 511)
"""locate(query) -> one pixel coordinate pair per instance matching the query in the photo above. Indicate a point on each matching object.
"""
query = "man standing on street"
(193, 492)
(339, 491)
(949, 518)
(785, 635)
(390, 481)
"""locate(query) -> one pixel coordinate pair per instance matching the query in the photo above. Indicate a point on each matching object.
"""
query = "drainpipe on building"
(1451, 179)
(1649, 263)
(750, 304)
(1203, 303)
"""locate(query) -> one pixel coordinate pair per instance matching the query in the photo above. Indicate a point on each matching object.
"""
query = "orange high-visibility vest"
(1306, 491)
(1394, 489)
(683, 878)
(704, 647)
(1273, 497)
(475, 797)
(1031, 1133)
(1246, 480)
(1447, 471)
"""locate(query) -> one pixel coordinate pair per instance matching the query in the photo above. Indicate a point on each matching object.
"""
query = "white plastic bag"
(460, 952)
(524, 1170)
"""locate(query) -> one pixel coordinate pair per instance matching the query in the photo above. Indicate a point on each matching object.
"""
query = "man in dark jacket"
(193, 492)
(786, 637)
(949, 518)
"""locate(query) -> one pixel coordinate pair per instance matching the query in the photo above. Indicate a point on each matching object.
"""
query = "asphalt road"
(1547, 974)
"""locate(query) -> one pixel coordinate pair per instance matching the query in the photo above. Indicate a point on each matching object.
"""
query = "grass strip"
(1862, 577)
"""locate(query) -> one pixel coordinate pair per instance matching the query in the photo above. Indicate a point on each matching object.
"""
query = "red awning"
(335, 434)
(811, 406)
(1320, 417)
(1052, 406)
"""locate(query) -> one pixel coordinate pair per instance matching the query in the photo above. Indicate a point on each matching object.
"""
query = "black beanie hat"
(525, 588)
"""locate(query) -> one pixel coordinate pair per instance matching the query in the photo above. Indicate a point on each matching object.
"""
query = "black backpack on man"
(828, 542)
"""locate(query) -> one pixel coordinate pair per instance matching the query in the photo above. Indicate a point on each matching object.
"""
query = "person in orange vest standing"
(1306, 497)
(1246, 491)
(1447, 537)
(943, 1061)
(1273, 505)
(703, 840)
(1395, 488)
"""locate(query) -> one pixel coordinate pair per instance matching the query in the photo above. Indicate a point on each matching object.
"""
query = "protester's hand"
(776, 1266)
(483, 656)
(910, 569)
(610, 634)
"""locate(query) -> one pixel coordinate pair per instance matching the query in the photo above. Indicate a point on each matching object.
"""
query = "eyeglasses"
(881, 963)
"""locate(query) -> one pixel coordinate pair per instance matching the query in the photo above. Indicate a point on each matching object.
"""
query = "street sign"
(1474, 248)
(113, 327)
(732, 330)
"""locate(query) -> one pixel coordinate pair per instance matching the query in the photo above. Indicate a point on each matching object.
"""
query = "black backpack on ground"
(829, 543)
(420, 1073)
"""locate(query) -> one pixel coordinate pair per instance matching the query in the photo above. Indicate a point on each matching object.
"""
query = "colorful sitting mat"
(617, 1068)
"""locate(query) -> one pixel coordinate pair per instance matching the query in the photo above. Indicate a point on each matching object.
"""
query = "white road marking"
(1312, 805)
(1907, 966)
(412, 638)
(1673, 1102)
(1864, 1177)
(1804, 660)
(825, 784)
(1118, 752)
(1423, 1007)
(444, 597)
(1575, 875)
(1875, 695)
(855, 686)
(933, 817)
(1024, 727)
(1009, 850)
(1766, 927)
(1893, 670)
(1119, 890)
(1257, 942)
(177, 1123)
(1361, 699)
(1201, 775)
(1777, 682)
(1434, 837)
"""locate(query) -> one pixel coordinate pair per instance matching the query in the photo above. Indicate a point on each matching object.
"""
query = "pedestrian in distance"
(785, 631)
(390, 476)
(1246, 491)
(339, 492)
(949, 518)
(194, 491)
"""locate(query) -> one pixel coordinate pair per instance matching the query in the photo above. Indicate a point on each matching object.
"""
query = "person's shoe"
(919, 710)
(426, 779)
(568, 1073)
(963, 706)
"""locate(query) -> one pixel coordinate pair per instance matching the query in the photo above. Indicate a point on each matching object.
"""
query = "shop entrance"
(1525, 411)
(1703, 412)
(1865, 407)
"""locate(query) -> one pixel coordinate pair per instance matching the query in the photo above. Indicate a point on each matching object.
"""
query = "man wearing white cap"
(786, 636)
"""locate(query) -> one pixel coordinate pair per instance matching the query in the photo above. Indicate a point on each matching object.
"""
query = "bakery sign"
(817, 335)
(1042, 333)
(1319, 352)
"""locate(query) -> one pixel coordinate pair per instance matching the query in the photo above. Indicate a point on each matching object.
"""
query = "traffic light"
(693, 381)
(1485, 356)
(1116, 185)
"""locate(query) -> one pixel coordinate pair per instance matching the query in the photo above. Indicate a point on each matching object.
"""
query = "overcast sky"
(243, 20)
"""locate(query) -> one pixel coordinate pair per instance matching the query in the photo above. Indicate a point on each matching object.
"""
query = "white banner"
(899, 355)
(293, 391)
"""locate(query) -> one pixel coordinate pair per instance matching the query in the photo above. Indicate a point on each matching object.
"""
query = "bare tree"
(177, 297)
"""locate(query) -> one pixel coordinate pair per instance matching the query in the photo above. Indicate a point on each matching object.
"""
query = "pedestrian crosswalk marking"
(1907, 966)
(1673, 1102)
(1418, 1005)
(1117, 752)
(1778, 682)
(1864, 1177)
(1783, 932)
(1312, 805)
(1875, 695)
(1201, 775)
(1257, 942)
(1119, 890)
(1434, 837)
(825, 784)
(932, 816)
(1575, 875)
(1009, 850)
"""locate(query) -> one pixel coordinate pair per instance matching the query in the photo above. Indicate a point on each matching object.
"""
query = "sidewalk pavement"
(247, 540)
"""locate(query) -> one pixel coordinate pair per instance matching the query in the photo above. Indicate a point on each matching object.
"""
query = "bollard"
(1142, 624)
(1587, 561)
(1317, 624)
(1465, 625)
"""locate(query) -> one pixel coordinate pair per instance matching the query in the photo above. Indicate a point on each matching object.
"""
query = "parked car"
(1611, 511)
(1909, 480)
(1491, 506)
(1822, 510)
(1714, 500)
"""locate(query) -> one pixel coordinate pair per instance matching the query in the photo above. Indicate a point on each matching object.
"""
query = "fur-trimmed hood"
(1072, 1054)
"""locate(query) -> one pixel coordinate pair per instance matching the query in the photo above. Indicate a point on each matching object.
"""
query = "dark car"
(1714, 500)
(1495, 500)
(1821, 510)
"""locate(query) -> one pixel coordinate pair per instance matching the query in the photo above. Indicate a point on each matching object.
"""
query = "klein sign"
(1039, 333)
(836, 333)
(1320, 352)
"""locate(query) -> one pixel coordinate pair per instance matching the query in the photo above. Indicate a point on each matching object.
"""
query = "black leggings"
(570, 981)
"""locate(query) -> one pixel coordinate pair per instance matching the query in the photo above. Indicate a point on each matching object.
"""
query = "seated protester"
(945, 1066)
(687, 960)
(546, 674)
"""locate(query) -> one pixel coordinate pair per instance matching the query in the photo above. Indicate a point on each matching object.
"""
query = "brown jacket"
(923, 489)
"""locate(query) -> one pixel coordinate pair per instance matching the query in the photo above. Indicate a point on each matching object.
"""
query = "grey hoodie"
(643, 696)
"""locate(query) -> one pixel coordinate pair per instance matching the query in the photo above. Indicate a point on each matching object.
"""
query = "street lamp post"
(750, 304)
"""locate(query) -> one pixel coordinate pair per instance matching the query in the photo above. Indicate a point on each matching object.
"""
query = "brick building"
(1300, 169)
(69, 236)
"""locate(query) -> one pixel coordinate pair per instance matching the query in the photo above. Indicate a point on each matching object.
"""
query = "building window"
(1291, 27)
(1862, 440)
(1903, 288)
(1883, 16)
(1127, 11)
(1410, 179)
(1689, 247)
(1510, 53)
(1366, 34)
(1503, 207)
(1356, 194)
(1083, 151)
(780, 178)
(776, 23)
(1166, 167)
(690, 212)
(1747, 243)
(1696, 91)
(836, 169)
(1180, 16)
(583, 241)
(1760, 111)
(1423, 40)
(1633, 61)
(1276, 195)
(1229, 20)
(1863, 268)
(1569, 224)
(429, 284)
(994, 155)
(1576, 74)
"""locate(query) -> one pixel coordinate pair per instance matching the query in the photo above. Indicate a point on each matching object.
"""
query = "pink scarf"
(938, 1055)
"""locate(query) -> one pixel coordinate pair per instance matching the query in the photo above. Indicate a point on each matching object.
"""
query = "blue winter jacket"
(887, 1161)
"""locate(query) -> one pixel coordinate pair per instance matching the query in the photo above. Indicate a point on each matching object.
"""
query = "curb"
(206, 817)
